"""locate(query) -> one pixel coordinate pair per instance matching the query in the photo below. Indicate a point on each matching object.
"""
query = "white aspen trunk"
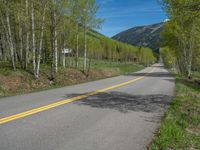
(190, 55)
(54, 46)
(27, 51)
(26, 61)
(55, 43)
(183, 61)
(69, 61)
(53, 54)
(20, 43)
(183, 42)
(10, 42)
(63, 54)
(77, 45)
(85, 50)
(33, 39)
(40, 44)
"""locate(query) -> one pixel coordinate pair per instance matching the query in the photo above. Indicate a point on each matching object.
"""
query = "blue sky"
(120, 15)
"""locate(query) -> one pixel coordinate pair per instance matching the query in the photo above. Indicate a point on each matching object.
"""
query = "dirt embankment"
(20, 82)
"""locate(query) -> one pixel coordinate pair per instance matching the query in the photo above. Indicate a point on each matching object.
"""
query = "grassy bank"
(20, 81)
(180, 129)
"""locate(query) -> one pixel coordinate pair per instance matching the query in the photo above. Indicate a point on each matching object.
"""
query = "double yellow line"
(63, 102)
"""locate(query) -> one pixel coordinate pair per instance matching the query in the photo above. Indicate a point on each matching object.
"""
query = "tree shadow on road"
(153, 74)
(125, 103)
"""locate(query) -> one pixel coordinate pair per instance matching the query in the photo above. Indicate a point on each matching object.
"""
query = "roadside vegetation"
(48, 43)
(21, 81)
(180, 128)
(182, 36)
(36, 32)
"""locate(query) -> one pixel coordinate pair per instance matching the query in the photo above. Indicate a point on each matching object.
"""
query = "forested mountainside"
(146, 36)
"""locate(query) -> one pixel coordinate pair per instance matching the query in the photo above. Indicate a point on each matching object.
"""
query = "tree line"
(35, 32)
(182, 36)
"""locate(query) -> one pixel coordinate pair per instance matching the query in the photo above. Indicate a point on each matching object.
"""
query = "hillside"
(146, 36)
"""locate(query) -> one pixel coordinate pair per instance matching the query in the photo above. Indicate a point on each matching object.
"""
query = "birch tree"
(35, 32)
(89, 20)
(43, 5)
(6, 22)
(183, 27)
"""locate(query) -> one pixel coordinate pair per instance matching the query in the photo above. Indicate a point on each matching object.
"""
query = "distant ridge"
(145, 36)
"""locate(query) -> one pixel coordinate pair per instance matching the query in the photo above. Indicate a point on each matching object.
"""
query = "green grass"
(180, 129)
(125, 67)
(122, 67)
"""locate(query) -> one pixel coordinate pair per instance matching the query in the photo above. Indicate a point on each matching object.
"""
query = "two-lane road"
(119, 113)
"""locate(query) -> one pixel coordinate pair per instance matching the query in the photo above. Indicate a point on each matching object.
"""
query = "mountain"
(146, 36)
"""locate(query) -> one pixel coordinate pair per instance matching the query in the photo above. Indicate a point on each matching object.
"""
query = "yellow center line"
(63, 102)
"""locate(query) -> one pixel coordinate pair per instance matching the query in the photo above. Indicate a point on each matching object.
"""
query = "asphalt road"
(123, 117)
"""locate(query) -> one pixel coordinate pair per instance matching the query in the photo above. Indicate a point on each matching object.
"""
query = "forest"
(59, 33)
(181, 55)
(181, 47)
